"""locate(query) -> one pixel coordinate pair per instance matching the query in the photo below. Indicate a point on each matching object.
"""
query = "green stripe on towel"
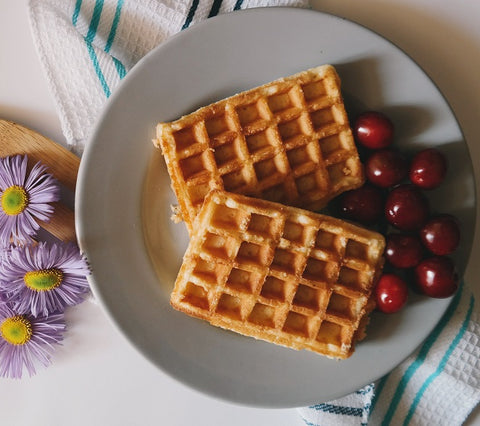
(422, 354)
(442, 364)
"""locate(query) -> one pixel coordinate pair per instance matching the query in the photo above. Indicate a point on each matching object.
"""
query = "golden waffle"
(280, 274)
(288, 141)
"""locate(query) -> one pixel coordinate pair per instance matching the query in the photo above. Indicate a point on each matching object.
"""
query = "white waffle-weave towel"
(88, 46)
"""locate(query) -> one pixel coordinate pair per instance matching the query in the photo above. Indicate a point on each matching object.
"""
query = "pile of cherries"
(393, 198)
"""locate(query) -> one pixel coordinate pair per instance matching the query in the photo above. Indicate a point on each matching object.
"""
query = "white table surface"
(97, 377)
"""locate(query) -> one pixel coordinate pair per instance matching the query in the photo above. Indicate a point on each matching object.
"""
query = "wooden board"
(61, 163)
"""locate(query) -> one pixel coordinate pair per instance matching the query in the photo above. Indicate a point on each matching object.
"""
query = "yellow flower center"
(14, 200)
(43, 280)
(16, 330)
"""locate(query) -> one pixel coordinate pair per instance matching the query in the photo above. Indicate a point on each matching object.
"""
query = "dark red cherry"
(428, 168)
(373, 130)
(437, 277)
(386, 168)
(407, 207)
(403, 250)
(364, 204)
(391, 293)
(441, 235)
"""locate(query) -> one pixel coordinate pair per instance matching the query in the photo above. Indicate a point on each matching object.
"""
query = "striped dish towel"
(88, 46)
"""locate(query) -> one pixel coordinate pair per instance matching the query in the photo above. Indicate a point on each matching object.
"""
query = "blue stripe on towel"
(442, 364)
(238, 5)
(191, 14)
(215, 8)
(76, 12)
(98, 71)
(113, 29)
(92, 30)
(378, 390)
(338, 409)
(422, 354)
(121, 71)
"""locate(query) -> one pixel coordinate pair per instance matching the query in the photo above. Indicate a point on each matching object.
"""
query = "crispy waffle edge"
(165, 142)
(263, 333)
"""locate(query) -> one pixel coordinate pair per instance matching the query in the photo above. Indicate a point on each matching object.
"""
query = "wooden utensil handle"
(62, 164)
(62, 223)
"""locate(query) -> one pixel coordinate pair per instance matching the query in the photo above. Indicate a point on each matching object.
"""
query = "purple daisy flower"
(24, 198)
(26, 341)
(4, 251)
(44, 278)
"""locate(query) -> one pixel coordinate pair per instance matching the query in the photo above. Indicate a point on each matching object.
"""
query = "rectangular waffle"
(280, 274)
(287, 141)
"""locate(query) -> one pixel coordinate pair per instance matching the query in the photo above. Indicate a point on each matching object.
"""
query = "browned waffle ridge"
(280, 274)
(287, 141)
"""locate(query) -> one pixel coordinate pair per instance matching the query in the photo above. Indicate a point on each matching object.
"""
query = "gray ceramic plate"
(210, 61)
